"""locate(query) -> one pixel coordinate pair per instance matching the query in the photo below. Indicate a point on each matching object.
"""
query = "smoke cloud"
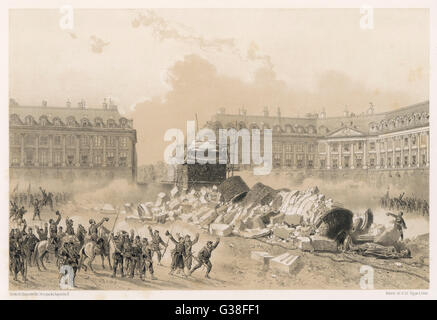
(196, 87)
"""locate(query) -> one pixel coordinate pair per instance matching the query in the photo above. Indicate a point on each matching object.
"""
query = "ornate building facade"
(71, 142)
(395, 140)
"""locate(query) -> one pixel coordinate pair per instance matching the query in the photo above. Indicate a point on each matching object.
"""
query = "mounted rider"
(53, 229)
(42, 233)
(94, 228)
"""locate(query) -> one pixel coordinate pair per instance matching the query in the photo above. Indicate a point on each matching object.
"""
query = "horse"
(41, 249)
(89, 251)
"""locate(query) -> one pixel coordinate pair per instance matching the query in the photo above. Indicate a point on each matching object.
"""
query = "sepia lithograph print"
(218, 149)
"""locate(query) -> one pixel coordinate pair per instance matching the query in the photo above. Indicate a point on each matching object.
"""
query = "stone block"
(285, 263)
(161, 218)
(208, 218)
(220, 229)
(279, 218)
(185, 217)
(320, 243)
(293, 220)
(219, 219)
(282, 232)
(174, 204)
(174, 192)
(304, 243)
(229, 216)
(261, 256)
(255, 223)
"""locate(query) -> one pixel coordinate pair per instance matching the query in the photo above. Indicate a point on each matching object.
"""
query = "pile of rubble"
(284, 216)
(307, 219)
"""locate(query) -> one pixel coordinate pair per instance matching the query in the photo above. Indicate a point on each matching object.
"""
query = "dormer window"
(111, 123)
(71, 122)
(28, 120)
(85, 123)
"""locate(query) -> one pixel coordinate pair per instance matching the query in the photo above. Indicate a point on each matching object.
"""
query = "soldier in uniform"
(204, 256)
(127, 251)
(29, 243)
(17, 258)
(399, 222)
(69, 256)
(117, 256)
(53, 227)
(42, 234)
(50, 200)
(36, 209)
(61, 232)
(147, 262)
(177, 254)
(20, 214)
(69, 224)
(12, 234)
(94, 227)
(136, 256)
(156, 241)
(188, 243)
(53, 232)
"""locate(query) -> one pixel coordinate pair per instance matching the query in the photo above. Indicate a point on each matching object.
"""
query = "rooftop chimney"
(279, 112)
(81, 104)
(105, 105)
(345, 112)
(68, 103)
(322, 114)
(112, 105)
(44, 103)
(266, 112)
(371, 108)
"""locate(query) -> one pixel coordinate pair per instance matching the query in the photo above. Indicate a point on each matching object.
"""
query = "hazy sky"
(162, 63)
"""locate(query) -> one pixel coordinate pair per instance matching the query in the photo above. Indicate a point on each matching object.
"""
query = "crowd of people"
(41, 198)
(408, 204)
(128, 254)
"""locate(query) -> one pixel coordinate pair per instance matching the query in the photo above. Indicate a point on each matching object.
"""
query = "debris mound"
(303, 219)
(233, 189)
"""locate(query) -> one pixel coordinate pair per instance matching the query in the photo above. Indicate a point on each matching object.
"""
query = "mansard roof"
(64, 116)
(368, 123)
